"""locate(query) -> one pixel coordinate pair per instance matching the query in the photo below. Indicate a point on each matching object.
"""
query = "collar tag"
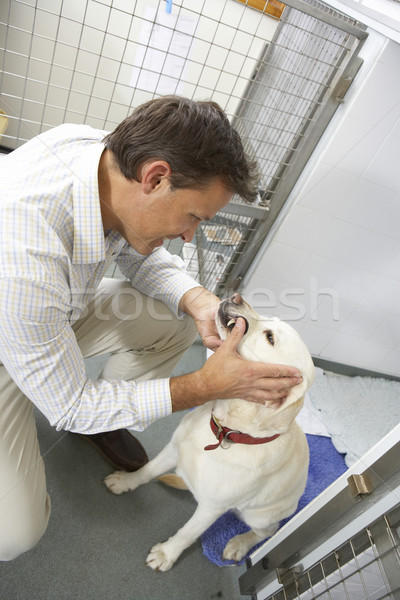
(226, 437)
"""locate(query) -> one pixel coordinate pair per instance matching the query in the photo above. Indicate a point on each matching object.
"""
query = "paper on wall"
(164, 47)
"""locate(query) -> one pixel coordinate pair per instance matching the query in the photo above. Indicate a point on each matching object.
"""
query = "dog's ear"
(279, 420)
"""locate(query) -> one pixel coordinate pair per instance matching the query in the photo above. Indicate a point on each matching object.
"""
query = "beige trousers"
(145, 341)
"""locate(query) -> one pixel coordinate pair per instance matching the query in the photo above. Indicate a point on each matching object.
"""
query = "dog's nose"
(237, 298)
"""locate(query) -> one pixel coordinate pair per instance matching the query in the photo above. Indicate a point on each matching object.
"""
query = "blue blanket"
(326, 465)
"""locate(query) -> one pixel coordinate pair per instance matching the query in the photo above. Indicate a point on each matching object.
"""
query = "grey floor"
(96, 543)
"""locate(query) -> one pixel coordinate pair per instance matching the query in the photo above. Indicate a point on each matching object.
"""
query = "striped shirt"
(53, 255)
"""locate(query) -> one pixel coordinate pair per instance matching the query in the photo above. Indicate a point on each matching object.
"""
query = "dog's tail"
(173, 480)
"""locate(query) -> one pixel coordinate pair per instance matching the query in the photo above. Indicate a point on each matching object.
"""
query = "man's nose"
(188, 235)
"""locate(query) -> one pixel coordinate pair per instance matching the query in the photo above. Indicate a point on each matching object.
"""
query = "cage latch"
(360, 485)
(288, 577)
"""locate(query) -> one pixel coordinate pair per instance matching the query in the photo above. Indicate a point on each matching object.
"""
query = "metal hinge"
(360, 485)
(344, 83)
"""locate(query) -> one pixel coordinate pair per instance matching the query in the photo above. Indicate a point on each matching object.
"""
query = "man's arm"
(159, 275)
(40, 351)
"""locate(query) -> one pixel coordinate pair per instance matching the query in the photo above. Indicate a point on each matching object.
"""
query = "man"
(73, 201)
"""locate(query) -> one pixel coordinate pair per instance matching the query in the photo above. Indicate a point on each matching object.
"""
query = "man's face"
(167, 214)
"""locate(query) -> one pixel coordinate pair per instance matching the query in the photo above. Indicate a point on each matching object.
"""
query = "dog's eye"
(270, 336)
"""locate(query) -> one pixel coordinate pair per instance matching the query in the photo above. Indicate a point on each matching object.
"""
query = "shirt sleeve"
(39, 350)
(160, 275)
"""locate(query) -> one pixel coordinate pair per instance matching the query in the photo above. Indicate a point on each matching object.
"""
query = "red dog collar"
(231, 435)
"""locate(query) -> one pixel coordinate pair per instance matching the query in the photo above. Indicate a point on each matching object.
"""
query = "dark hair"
(194, 137)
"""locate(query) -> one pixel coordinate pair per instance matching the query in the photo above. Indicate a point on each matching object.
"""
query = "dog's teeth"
(231, 322)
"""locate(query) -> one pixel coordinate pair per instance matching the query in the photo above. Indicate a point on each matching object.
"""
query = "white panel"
(32, 111)
(303, 228)
(65, 56)
(38, 70)
(46, 24)
(53, 6)
(19, 41)
(384, 296)
(78, 102)
(92, 39)
(113, 47)
(316, 338)
(383, 169)
(366, 203)
(343, 348)
(341, 241)
(21, 16)
(42, 48)
(376, 253)
(323, 271)
(119, 23)
(35, 90)
(283, 262)
(232, 14)
(328, 310)
(82, 83)
(73, 10)
(372, 354)
(206, 29)
(353, 284)
(211, 8)
(393, 268)
(388, 330)
(97, 15)
(391, 362)
(372, 97)
(329, 190)
(355, 145)
(366, 322)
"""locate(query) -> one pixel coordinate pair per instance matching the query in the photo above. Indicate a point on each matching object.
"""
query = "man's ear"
(153, 174)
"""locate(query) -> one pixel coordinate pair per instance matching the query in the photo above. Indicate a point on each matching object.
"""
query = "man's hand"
(226, 375)
(202, 305)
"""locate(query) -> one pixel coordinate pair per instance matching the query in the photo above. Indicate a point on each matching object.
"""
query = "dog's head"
(269, 340)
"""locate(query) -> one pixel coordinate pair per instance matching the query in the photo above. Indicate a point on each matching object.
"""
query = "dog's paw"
(238, 547)
(120, 481)
(234, 551)
(158, 558)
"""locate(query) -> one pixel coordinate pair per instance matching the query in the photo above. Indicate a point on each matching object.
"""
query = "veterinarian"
(74, 200)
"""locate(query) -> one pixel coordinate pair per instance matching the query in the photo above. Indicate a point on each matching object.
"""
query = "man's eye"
(270, 336)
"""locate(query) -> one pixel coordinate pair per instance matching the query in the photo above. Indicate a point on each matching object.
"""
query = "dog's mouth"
(229, 312)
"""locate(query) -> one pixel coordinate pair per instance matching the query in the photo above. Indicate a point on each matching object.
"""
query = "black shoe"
(119, 448)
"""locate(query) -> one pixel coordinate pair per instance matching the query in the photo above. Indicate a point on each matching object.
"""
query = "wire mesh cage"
(366, 567)
(271, 66)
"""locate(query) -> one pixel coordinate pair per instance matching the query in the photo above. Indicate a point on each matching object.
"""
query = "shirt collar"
(89, 243)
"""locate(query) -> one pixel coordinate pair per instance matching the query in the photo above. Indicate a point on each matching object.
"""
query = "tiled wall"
(332, 267)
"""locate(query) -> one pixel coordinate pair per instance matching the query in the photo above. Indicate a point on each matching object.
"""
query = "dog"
(233, 454)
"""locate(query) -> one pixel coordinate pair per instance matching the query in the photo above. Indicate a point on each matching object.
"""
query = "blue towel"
(326, 465)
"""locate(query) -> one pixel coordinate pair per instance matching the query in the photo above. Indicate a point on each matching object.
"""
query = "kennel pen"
(280, 71)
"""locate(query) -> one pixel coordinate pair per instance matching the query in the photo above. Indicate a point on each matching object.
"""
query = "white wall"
(332, 265)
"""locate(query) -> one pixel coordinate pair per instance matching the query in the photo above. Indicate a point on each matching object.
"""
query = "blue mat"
(326, 465)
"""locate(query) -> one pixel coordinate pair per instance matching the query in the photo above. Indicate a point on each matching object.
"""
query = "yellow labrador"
(234, 454)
